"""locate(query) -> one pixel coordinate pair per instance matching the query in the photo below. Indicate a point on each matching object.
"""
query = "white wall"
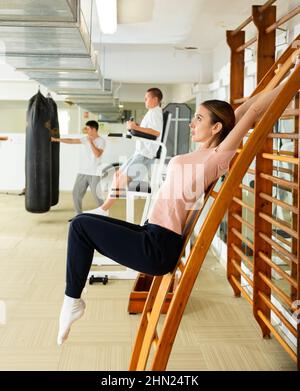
(13, 117)
(173, 64)
(182, 93)
(12, 160)
(135, 92)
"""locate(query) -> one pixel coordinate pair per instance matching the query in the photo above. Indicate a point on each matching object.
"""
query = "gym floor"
(218, 331)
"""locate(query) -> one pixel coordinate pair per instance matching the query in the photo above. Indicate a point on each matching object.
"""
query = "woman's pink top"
(188, 176)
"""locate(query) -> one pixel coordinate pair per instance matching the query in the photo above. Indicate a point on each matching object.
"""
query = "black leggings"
(149, 249)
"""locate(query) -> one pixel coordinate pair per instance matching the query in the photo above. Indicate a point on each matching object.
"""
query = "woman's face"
(201, 126)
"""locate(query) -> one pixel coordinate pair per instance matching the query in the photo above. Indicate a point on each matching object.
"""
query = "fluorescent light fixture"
(107, 14)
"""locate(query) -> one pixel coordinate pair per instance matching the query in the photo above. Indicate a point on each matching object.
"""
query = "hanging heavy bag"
(38, 155)
(54, 152)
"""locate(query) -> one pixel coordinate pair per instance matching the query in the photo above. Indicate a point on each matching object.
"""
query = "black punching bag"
(54, 153)
(38, 155)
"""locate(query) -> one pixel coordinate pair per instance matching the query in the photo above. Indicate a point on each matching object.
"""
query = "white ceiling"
(148, 46)
(200, 23)
(152, 34)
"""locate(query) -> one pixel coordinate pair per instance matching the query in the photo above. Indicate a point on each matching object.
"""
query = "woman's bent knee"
(77, 221)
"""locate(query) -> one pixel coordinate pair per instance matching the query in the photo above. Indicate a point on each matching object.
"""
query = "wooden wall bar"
(275, 171)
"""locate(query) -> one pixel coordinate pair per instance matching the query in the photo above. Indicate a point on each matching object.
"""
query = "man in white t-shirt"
(140, 163)
(90, 158)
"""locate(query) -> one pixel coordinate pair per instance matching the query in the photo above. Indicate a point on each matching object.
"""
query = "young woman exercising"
(154, 248)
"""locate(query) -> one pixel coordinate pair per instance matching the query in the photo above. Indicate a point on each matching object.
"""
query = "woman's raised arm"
(253, 114)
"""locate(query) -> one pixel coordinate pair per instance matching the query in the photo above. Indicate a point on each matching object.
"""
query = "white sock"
(71, 310)
(97, 211)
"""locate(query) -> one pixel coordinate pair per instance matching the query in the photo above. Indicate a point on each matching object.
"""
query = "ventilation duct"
(50, 41)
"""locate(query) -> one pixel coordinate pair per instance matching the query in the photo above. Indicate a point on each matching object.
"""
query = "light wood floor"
(218, 331)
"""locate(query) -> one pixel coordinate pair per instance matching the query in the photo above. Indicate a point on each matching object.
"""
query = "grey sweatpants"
(80, 187)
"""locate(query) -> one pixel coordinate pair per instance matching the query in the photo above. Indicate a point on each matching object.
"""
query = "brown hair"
(92, 124)
(156, 93)
(221, 111)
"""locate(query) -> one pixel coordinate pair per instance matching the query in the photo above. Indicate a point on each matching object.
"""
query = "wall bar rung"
(242, 273)
(291, 136)
(279, 292)
(283, 20)
(279, 248)
(285, 159)
(282, 169)
(284, 205)
(282, 152)
(279, 338)
(279, 181)
(250, 19)
(277, 269)
(243, 204)
(246, 44)
(266, 5)
(241, 255)
(213, 194)
(290, 113)
(242, 238)
(181, 266)
(243, 221)
(242, 290)
(282, 239)
(245, 187)
(276, 311)
(274, 222)
(242, 26)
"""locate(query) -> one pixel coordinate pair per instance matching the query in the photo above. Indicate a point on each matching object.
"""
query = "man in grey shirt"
(90, 158)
